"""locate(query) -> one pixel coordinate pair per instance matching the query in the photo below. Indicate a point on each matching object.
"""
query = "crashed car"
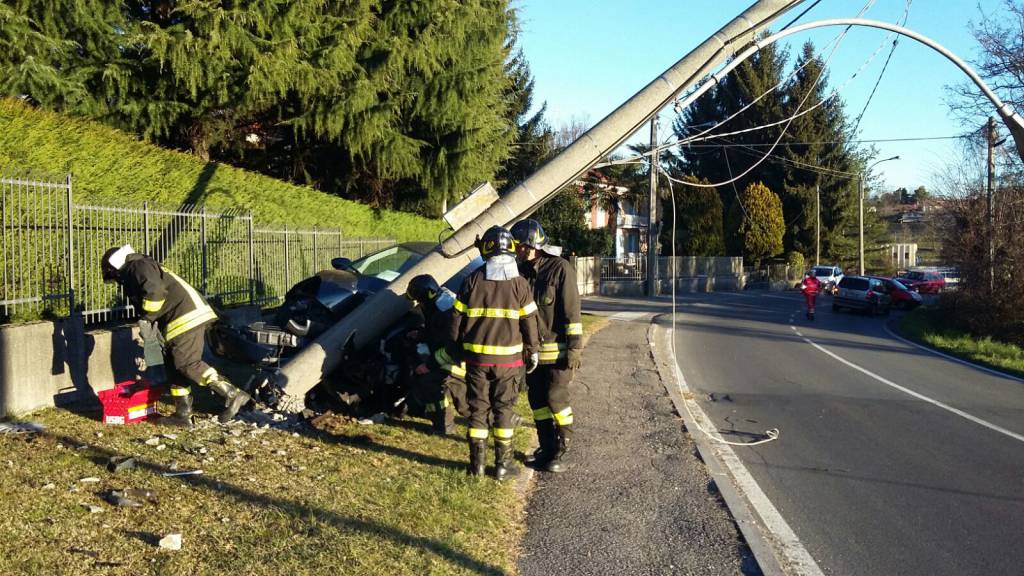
(368, 381)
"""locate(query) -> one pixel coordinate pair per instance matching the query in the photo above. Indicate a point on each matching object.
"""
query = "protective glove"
(575, 358)
(531, 362)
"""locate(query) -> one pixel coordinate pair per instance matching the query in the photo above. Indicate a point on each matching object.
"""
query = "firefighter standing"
(810, 287)
(495, 320)
(440, 384)
(184, 316)
(561, 334)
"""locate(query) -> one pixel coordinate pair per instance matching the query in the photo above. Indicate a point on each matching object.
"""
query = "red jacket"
(810, 285)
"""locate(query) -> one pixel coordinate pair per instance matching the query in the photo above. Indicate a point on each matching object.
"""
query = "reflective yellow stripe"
(478, 433)
(459, 371)
(460, 306)
(528, 309)
(152, 305)
(564, 417)
(543, 414)
(208, 376)
(574, 329)
(504, 433)
(492, 350)
(549, 346)
(492, 313)
(202, 313)
(180, 391)
(446, 363)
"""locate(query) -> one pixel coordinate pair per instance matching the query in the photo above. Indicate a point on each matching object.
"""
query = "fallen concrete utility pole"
(368, 321)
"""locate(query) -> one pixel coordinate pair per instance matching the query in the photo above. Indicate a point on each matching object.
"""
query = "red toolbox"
(129, 402)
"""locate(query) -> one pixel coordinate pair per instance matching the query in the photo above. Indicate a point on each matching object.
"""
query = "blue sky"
(590, 56)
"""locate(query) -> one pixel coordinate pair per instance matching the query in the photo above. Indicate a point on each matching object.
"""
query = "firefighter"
(183, 316)
(810, 287)
(440, 382)
(553, 280)
(494, 328)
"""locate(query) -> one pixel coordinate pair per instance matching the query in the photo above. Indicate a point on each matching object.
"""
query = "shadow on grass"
(298, 511)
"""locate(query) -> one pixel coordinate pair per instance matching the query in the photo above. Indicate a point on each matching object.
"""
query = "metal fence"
(630, 268)
(52, 247)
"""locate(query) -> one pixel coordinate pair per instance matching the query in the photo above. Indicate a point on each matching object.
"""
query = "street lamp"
(864, 175)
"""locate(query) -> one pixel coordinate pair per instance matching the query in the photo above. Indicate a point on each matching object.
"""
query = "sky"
(590, 56)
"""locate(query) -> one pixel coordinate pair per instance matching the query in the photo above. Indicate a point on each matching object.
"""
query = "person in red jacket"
(810, 287)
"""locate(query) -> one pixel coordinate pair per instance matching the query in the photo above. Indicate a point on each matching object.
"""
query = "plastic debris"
(50, 486)
(89, 480)
(171, 542)
(120, 463)
(92, 509)
(377, 418)
(171, 436)
(162, 447)
(152, 441)
(119, 498)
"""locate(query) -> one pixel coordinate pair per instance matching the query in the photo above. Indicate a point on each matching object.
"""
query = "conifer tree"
(757, 217)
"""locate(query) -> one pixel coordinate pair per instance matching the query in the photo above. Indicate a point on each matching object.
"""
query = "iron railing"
(52, 247)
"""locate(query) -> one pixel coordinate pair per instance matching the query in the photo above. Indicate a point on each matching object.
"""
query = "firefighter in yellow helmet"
(494, 329)
(553, 282)
(183, 316)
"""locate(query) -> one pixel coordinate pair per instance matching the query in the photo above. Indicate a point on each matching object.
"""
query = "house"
(625, 216)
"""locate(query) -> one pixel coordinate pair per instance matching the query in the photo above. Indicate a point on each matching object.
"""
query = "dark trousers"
(548, 387)
(491, 391)
(184, 358)
(428, 393)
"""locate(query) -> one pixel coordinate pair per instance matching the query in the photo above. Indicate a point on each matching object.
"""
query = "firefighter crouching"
(183, 316)
(495, 321)
(553, 280)
(439, 383)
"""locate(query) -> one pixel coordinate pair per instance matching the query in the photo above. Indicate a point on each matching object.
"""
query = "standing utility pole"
(652, 218)
(817, 227)
(990, 134)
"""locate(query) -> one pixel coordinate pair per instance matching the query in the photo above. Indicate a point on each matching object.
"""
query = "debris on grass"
(21, 428)
(89, 480)
(120, 463)
(171, 542)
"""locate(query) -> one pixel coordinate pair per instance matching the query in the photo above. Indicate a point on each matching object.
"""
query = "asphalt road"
(873, 479)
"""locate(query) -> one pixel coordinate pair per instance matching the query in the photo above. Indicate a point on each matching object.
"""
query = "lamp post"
(864, 175)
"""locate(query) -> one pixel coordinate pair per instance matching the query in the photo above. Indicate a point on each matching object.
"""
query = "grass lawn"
(384, 499)
(927, 326)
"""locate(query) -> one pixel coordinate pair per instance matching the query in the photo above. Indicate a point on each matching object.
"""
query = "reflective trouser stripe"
(209, 375)
(181, 390)
(152, 305)
(437, 406)
(543, 414)
(504, 433)
(478, 433)
(574, 329)
(492, 350)
(564, 417)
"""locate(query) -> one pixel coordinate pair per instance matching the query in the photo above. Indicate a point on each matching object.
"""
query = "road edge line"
(981, 367)
(776, 554)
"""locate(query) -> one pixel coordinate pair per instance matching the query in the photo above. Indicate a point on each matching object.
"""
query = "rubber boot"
(503, 467)
(182, 416)
(546, 444)
(477, 455)
(564, 439)
(234, 399)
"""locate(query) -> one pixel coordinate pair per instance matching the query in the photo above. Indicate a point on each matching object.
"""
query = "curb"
(895, 333)
(762, 544)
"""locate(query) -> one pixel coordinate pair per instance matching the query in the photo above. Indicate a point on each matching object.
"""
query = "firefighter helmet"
(422, 288)
(530, 233)
(113, 260)
(495, 242)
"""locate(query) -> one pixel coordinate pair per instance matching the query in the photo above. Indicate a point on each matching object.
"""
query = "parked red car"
(901, 296)
(923, 281)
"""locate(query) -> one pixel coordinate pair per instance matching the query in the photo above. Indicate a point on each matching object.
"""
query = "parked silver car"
(862, 293)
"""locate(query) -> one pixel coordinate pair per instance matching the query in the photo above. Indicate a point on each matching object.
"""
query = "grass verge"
(351, 499)
(928, 326)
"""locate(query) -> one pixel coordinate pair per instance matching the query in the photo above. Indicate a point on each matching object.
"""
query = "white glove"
(531, 362)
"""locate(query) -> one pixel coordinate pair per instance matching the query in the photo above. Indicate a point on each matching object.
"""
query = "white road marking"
(953, 358)
(798, 559)
(627, 316)
(920, 396)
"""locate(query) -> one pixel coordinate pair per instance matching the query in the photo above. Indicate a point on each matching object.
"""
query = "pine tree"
(535, 141)
(699, 230)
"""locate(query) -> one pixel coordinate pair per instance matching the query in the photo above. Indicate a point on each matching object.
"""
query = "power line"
(859, 141)
(895, 42)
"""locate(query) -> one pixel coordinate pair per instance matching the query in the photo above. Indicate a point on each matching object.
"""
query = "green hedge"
(111, 167)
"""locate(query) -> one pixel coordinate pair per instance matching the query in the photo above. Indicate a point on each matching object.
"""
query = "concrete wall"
(60, 363)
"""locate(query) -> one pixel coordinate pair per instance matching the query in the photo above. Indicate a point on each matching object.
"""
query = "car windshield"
(914, 275)
(822, 271)
(387, 264)
(896, 284)
(854, 283)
